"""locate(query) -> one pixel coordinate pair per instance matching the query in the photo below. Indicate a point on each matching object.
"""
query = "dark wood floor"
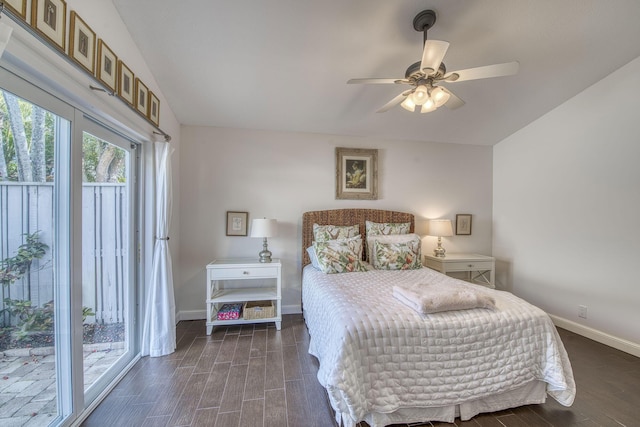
(257, 376)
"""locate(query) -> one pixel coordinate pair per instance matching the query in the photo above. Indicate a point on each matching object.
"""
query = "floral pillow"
(397, 256)
(322, 233)
(391, 238)
(340, 256)
(386, 228)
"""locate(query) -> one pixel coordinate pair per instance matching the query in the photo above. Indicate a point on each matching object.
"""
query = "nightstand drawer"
(243, 273)
(468, 265)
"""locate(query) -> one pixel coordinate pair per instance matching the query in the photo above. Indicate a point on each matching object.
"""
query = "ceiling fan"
(425, 76)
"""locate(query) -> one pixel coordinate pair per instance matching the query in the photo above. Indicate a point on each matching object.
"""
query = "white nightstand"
(233, 281)
(480, 269)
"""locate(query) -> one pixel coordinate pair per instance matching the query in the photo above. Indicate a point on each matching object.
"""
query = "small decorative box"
(230, 311)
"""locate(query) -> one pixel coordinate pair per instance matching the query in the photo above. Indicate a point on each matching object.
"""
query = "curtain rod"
(166, 136)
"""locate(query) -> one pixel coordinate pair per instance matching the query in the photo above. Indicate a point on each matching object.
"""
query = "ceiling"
(283, 64)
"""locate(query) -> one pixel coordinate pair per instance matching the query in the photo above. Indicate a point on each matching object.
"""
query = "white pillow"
(313, 257)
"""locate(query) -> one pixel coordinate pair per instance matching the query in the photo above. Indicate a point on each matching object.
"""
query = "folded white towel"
(432, 298)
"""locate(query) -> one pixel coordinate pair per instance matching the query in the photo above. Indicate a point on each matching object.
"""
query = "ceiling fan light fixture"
(440, 96)
(408, 104)
(428, 107)
(420, 95)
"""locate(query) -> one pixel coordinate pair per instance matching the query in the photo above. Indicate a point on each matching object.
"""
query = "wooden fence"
(29, 207)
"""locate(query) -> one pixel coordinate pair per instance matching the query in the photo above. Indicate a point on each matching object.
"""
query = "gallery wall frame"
(154, 108)
(142, 97)
(49, 19)
(463, 224)
(356, 173)
(237, 223)
(126, 83)
(82, 43)
(107, 67)
(17, 7)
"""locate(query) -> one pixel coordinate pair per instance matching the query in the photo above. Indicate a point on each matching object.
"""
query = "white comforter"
(377, 355)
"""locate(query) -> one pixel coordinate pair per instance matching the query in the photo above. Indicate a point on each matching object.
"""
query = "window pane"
(106, 250)
(30, 334)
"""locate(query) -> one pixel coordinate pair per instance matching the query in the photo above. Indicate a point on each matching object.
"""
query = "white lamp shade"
(440, 228)
(263, 227)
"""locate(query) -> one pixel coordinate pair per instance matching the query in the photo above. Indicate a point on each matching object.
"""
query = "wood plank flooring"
(257, 376)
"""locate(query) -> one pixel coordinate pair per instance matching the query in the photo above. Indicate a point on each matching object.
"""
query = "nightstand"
(241, 281)
(480, 269)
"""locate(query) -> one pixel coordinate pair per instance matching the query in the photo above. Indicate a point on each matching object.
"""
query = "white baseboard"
(202, 314)
(596, 335)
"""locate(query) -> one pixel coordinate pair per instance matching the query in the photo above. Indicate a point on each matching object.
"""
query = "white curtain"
(159, 329)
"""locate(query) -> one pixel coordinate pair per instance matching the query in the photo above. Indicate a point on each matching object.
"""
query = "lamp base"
(439, 251)
(265, 254)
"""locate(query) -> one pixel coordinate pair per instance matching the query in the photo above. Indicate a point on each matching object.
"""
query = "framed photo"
(142, 97)
(126, 82)
(154, 108)
(18, 7)
(463, 224)
(107, 69)
(356, 174)
(82, 43)
(49, 18)
(237, 223)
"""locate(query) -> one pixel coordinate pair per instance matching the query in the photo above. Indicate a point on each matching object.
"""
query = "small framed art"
(82, 43)
(126, 89)
(142, 97)
(18, 7)
(356, 174)
(463, 224)
(154, 108)
(237, 223)
(49, 18)
(106, 71)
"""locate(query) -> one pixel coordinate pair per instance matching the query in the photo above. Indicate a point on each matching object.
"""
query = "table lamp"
(440, 228)
(263, 227)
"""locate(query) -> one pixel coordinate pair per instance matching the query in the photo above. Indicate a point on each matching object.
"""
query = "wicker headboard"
(347, 217)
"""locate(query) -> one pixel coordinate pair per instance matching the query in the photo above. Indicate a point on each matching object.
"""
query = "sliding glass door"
(68, 210)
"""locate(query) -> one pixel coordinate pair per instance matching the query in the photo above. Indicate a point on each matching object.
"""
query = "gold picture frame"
(17, 7)
(126, 83)
(356, 173)
(49, 19)
(142, 97)
(237, 223)
(463, 224)
(82, 43)
(107, 68)
(154, 108)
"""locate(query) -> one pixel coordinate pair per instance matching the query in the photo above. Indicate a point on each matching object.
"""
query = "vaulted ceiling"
(283, 64)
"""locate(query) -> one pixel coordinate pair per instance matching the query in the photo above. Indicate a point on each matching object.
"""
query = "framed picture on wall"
(237, 223)
(82, 43)
(356, 173)
(18, 7)
(49, 18)
(142, 97)
(154, 108)
(107, 71)
(126, 89)
(463, 224)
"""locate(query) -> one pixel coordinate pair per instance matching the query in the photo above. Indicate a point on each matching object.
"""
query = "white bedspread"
(377, 355)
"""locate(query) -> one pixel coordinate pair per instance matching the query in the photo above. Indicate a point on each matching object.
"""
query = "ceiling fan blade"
(432, 55)
(377, 81)
(488, 71)
(395, 101)
(453, 102)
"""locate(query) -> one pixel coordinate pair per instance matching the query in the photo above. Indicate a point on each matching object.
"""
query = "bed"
(382, 362)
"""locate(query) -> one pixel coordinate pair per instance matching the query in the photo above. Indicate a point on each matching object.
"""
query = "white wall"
(566, 204)
(282, 175)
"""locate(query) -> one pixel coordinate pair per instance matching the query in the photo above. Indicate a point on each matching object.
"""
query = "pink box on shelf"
(230, 311)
